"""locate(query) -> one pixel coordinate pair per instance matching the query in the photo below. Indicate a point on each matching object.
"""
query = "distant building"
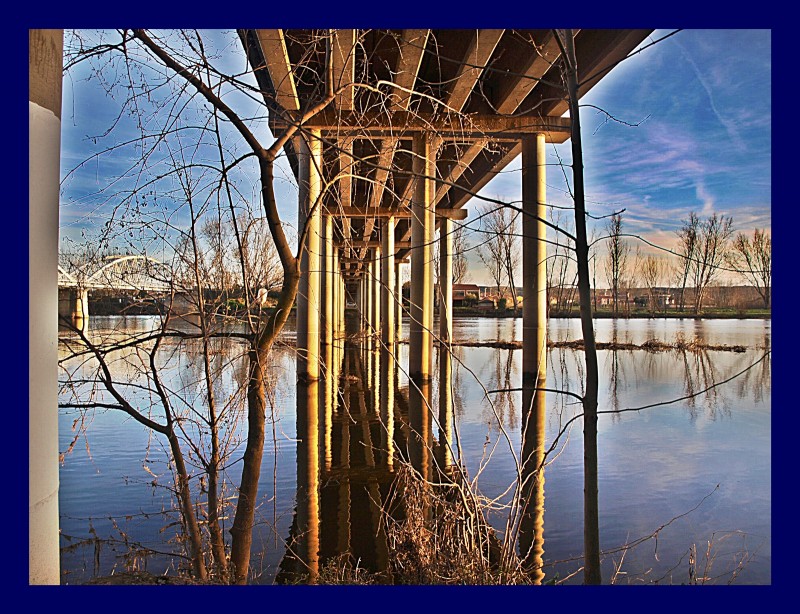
(464, 294)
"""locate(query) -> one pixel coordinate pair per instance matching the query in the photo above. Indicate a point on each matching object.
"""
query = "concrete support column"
(73, 306)
(308, 293)
(534, 352)
(342, 303)
(387, 391)
(336, 298)
(376, 291)
(45, 60)
(445, 337)
(368, 279)
(360, 301)
(446, 280)
(328, 324)
(388, 302)
(422, 230)
(534, 253)
(398, 293)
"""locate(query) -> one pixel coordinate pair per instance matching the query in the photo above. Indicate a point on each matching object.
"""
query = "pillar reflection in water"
(444, 450)
(420, 439)
(308, 496)
(531, 528)
(328, 391)
(340, 501)
(388, 368)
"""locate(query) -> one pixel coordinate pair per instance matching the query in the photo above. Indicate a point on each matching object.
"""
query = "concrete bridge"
(421, 121)
(132, 273)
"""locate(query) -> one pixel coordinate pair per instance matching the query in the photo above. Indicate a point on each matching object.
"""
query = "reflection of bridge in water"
(363, 443)
(126, 273)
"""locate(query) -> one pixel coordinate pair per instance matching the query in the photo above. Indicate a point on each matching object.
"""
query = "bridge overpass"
(130, 273)
(421, 120)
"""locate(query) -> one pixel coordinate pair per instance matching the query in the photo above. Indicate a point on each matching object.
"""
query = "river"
(690, 475)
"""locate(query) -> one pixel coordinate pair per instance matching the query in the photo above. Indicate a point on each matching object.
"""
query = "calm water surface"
(696, 472)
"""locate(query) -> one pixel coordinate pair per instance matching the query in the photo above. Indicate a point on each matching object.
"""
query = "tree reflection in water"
(364, 423)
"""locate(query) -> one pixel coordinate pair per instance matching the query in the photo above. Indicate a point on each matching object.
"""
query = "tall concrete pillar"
(368, 279)
(326, 338)
(446, 280)
(335, 298)
(45, 60)
(534, 352)
(376, 291)
(422, 230)
(388, 302)
(342, 301)
(327, 382)
(360, 302)
(534, 254)
(308, 293)
(445, 337)
(398, 293)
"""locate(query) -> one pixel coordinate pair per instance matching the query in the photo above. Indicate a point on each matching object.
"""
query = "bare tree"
(499, 250)
(687, 253)
(752, 258)
(591, 529)
(490, 250)
(616, 264)
(651, 269)
(560, 272)
(164, 75)
(460, 247)
(711, 247)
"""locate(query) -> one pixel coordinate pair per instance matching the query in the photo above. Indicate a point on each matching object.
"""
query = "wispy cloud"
(729, 125)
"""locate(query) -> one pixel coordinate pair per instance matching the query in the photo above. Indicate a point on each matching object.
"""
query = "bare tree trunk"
(187, 509)
(591, 532)
(241, 531)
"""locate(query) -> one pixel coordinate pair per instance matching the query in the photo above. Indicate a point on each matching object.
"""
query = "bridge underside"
(398, 130)
(418, 122)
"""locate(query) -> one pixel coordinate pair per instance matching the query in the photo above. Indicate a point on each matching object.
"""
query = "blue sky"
(701, 99)
(702, 102)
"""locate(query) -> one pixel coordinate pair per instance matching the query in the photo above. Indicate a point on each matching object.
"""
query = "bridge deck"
(478, 91)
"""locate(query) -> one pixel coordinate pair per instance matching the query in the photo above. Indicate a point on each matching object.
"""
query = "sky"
(699, 102)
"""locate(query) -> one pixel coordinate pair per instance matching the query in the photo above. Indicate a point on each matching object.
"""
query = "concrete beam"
(412, 48)
(400, 212)
(405, 124)
(536, 66)
(475, 60)
(461, 165)
(343, 57)
(273, 46)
